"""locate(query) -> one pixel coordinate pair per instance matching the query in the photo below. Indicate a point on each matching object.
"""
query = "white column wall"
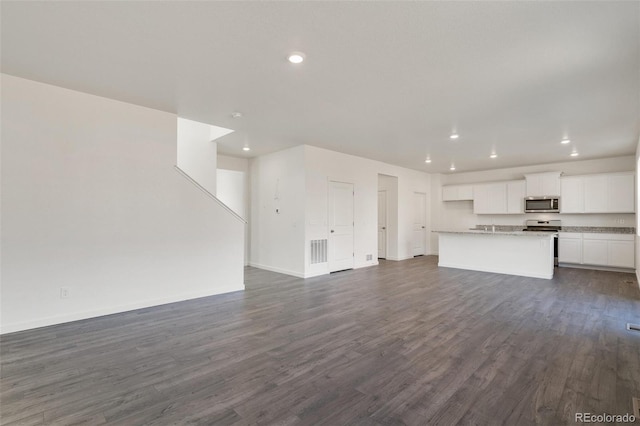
(278, 211)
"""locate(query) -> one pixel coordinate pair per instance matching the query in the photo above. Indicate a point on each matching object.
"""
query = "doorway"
(419, 223)
(387, 217)
(340, 221)
(382, 224)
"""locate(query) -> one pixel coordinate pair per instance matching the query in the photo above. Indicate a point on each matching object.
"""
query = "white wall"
(197, 153)
(91, 202)
(227, 164)
(280, 241)
(277, 211)
(230, 190)
(323, 165)
(454, 214)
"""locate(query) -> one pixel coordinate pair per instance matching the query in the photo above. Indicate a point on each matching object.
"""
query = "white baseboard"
(304, 275)
(366, 264)
(276, 269)
(397, 259)
(315, 274)
(76, 316)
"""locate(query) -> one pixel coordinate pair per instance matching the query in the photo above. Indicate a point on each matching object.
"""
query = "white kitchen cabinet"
(480, 199)
(595, 194)
(543, 184)
(621, 254)
(570, 247)
(490, 198)
(499, 197)
(609, 193)
(572, 194)
(621, 193)
(594, 252)
(457, 192)
(516, 191)
(617, 250)
(601, 193)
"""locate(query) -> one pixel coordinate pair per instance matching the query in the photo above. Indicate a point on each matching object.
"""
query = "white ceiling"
(382, 80)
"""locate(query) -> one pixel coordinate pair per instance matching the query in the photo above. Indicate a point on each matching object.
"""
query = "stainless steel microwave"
(549, 204)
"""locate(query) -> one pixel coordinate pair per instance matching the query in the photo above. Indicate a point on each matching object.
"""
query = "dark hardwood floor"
(401, 343)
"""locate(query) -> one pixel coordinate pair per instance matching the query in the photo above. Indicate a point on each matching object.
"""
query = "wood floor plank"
(402, 343)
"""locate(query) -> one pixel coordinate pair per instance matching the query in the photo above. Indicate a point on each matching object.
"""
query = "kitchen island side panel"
(523, 255)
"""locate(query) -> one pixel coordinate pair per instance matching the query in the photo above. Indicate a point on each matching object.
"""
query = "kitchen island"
(528, 254)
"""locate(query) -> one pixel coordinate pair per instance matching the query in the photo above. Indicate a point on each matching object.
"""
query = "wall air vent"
(318, 251)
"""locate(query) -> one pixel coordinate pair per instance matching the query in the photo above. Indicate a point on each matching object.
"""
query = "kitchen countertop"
(587, 229)
(489, 232)
(599, 229)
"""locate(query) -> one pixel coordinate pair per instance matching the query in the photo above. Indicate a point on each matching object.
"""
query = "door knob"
(423, 227)
(384, 227)
(332, 231)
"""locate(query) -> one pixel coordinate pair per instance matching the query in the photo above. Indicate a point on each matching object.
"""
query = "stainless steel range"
(546, 226)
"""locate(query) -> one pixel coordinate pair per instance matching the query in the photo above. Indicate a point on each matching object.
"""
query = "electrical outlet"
(369, 257)
(64, 292)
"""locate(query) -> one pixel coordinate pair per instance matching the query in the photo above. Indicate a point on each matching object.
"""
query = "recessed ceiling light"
(246, 148)
(565, 141)
(574, 154)
(236, 114)
(454, 136)
(452, 168)
(428, 160)
(296, 57)
(493, 155)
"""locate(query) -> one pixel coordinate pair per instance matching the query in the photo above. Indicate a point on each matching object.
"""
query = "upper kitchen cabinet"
(601, 193)
(621, 191)
(572, 194)
(515, 196)
(490, 198)
(595, 194)
(499, 197)
(609, 193)
(543, 184)
(457, 192)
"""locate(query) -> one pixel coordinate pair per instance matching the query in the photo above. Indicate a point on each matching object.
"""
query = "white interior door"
(419, 223)
(382, 224)
(340, 247)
